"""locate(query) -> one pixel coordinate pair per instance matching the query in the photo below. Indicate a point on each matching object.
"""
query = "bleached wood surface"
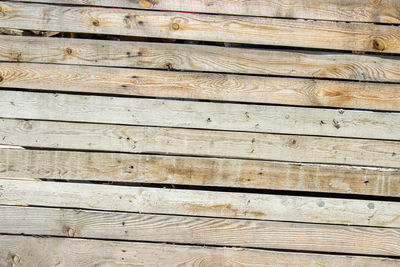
(50, 251)
(199, 230)
(200, 115)
(200, 203)
(117, 167)
(175, 141)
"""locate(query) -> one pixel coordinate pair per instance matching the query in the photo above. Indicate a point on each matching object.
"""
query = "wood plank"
(209, 86)
(116, 167)
(155, 140)
(202, 115)
(50, 251)
(200, 203)
(203, 58)
(219, 28)
(198, 230)
(384, 11)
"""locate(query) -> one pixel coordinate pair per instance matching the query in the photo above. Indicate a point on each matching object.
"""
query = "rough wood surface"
(200, 203)
(202, 58)
(385, 11)
(200, 115)
(219, 28)
(197, 230)
(156, 140)
(49, 252)
(209, 86)
(116, 167)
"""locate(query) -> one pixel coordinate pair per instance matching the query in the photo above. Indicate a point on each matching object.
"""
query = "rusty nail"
(175, 26)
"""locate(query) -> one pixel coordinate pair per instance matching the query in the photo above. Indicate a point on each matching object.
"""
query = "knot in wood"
(147, 3)
(96, 22)
(378, 44)
(1, 78)
(71, 232)
(16, 259)
(175, 26)
(68, 51)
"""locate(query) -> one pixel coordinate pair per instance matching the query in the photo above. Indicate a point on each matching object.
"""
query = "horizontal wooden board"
(386, 11)
(49, 251)
(219, 28)
(204, 58)
(116, 167)
(198, 230)
(201, 115)
(200, 203)
(156, 140)
(209, 86)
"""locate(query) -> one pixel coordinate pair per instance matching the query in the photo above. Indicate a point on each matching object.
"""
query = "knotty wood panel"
(220, 28)
(155, 140)
(116, 167)
(209, 86)
(50, 251)
(204, 115)
(385, 11)
(198, 230)
(200, 203)
(202, 58)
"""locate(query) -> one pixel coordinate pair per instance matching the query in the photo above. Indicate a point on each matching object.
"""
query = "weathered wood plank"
(200, 203)
(202, 115)
(220, 28)
(202, 58)
(155, 140)
(117, 167)
(384, 11)
(199, 230)
(210, 86)
(49, 251)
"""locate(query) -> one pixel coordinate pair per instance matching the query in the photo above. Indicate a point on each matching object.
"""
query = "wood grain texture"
(200, 115)
(49, 251)
(384, 11)
(219, 28)
(202, 58)
(209, 86)
(198, 230)
(116, 167)
(200, 203)
(155, 140)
